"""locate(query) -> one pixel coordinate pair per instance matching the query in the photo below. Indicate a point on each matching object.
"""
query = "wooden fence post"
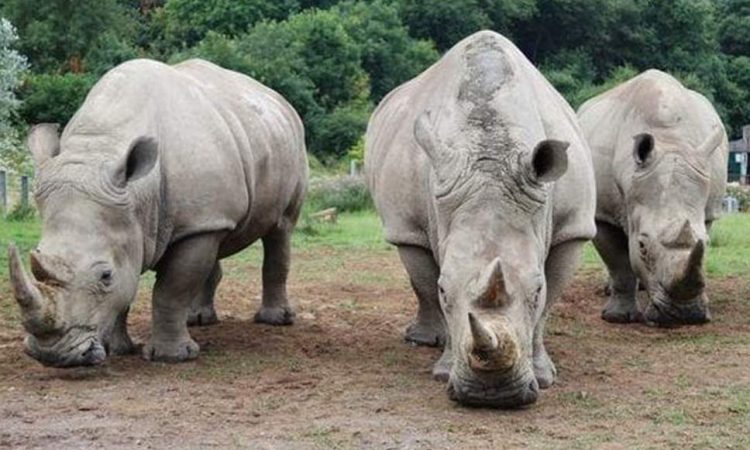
(24, 192)
(3, 193)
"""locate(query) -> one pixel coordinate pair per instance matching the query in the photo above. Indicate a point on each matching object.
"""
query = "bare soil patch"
(342, 377)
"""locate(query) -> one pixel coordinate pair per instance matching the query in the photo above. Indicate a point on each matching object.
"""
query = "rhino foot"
(441, 371)
(171, 352)
(121, 344)
(203, 316)
(280, 315)
(430, 335)
(621, 312)
(544, 370)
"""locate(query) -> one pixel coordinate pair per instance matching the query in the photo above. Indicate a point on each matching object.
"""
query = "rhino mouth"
(518, 392)
(72, 350)
(664, 311)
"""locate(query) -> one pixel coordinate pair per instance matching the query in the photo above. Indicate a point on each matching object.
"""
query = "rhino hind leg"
(275, 308)
(120, 342)
(612, 245)
(202, 310)
(180, 276)
(428, 328)
(562, 262)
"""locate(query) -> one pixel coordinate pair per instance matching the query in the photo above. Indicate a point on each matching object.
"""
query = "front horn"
(37, 310)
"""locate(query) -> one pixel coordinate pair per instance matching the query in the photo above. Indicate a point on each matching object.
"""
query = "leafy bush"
(19, 213)
(53, 98)
(742, 194)
(345, 193)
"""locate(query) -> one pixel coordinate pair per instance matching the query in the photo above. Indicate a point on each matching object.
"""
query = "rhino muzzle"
(49, 342)
(491, 374)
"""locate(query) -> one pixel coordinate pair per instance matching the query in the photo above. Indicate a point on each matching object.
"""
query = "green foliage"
(53, 98)
(12, 67)
(187, 22)
(345, 193)
(21, 213)
(58, 35)
(335, 59)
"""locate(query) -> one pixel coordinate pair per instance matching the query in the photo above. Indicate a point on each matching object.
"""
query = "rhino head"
(85, 269)
(494, 224)
(667, 229)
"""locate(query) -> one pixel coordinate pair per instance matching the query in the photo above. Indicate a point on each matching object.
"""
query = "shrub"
(742, 194)
(53, 98)
(345, 193)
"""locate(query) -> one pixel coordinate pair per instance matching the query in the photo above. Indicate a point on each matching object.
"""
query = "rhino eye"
(106, 277)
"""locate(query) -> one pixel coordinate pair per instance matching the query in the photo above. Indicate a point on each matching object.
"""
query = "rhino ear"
(424, 134)
(643, 148)
(549, 160)
(138, 162)
(44, 142)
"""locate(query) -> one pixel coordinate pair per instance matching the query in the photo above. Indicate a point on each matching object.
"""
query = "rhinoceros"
(485, 184)
(165, 168)
(660, 158)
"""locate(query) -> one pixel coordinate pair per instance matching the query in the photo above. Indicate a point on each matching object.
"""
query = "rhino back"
(656, 103)
(398, 172)
(231, 152)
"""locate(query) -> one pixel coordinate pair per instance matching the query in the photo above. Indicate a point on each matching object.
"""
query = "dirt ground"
(342, 377)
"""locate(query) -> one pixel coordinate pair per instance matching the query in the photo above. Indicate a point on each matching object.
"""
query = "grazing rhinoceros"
(660, 159)
(484, 183)
(163, 168)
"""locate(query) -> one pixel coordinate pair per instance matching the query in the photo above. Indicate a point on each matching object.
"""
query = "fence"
(14, 191)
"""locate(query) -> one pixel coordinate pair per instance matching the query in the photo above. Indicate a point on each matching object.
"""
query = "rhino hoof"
(427, 335)
(441, 371)
(171, 352)
(544, 371)
(282, 315)
(121, 346)
(614, 312)
(202, 317)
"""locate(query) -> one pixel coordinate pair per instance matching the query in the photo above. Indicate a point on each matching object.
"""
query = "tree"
(12, 67)
(388, 54)
(188, 21)
(734, 28)
(58, 35)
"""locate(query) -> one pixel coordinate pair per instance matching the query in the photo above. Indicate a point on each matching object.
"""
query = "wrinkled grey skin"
(163, 168)
(660, 157)
(484, 183)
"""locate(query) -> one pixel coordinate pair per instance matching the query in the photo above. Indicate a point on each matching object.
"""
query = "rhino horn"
(712, 142)
(51, 270)
(693, 273)
(685, 238)
(35, 306)
(491, 348)
(490, 285)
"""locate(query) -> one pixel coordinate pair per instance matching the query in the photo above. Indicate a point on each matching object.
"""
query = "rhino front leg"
(428, 328)
(202, 310)
(180, 275)
(562, 262)
(120, 342)
(275, 308)
(612, 245)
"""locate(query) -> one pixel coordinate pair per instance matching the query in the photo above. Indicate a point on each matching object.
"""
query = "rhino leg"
(428, 328)
(120, 342)
(180, 276)
(441, 371)
(275, 308)
(612, 245)
(562, 262)
(202, 310)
